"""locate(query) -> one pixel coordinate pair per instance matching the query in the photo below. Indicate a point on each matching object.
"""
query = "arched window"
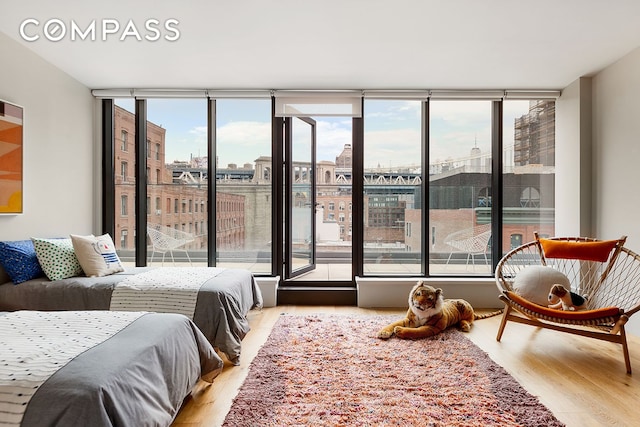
(530, 198)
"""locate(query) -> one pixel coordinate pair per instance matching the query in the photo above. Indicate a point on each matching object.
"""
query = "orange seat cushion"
(561, 314)
(588, 251)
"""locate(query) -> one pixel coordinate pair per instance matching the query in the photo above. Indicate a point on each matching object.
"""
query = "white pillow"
(57, 258)
(534, 282)
(96, 254)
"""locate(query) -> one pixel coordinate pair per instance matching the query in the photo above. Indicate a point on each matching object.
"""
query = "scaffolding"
(535, 134)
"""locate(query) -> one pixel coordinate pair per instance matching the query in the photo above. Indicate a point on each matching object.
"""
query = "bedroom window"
(460, 173)
(393, 186)
(242, 180)
(425, 165)
(528, 171)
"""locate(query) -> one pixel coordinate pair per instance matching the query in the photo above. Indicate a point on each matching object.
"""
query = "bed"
(220, 312)
(99, 368)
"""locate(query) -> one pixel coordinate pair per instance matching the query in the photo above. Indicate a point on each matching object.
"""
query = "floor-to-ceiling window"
(393, 187)
(177, 159)
(176, 164)
(243, 178)
(124, 134)
(528, 171)
(460, 187)
(408, 227)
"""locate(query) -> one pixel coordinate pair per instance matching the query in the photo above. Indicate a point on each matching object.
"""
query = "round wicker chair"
(604, 271)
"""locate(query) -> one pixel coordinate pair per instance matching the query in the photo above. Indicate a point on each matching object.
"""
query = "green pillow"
(57, 258)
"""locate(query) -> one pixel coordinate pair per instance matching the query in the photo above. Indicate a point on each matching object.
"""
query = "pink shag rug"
(331, 370)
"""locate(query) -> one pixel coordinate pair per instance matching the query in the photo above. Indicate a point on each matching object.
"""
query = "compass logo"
(55, 30)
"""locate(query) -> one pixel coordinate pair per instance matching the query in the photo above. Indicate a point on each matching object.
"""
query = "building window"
(124, 139)
(124, 202)
(123, 239)
(157, 151)
(530, 198)
(124, 166)
(484, 198)
(516, 240)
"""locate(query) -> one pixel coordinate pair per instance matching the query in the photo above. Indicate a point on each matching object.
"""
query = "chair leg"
(625, 349)
(449, 259)
(503, 322)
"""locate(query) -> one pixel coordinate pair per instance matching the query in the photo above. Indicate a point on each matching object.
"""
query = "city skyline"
(244, 130)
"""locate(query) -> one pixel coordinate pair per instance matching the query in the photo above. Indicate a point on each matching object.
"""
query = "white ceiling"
(337, 44)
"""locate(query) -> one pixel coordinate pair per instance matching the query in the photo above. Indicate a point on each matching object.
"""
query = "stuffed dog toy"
(561, 298)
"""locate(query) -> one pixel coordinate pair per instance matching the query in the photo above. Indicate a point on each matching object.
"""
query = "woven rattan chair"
(604, 271)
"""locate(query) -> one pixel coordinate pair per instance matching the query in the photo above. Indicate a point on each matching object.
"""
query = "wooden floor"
(583, 381)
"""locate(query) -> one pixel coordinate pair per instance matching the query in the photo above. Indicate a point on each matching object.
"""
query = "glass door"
(300, 195)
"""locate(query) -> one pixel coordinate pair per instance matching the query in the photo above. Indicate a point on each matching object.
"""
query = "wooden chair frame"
(612, 283)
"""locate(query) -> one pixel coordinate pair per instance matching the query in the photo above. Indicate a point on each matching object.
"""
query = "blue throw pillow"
(19, 260)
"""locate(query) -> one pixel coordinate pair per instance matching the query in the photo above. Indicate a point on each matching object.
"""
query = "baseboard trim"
(394, 292)
(306, 295)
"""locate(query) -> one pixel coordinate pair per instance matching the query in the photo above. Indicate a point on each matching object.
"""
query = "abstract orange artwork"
(10, 158)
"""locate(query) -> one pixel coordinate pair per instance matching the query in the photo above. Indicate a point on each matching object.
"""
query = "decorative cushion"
(57, 258)
(588, 251)
(97, 255)
(580, 315)
(19, 260)
(535, 281)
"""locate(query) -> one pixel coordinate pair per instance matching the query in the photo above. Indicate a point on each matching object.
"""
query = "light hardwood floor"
(583, 381)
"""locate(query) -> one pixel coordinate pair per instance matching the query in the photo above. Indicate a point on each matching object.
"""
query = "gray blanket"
(138, 377)
(221, 309)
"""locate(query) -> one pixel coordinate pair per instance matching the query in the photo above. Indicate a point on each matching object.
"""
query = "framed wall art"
(11, 167)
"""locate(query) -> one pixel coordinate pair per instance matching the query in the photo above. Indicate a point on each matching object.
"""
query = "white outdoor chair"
(472, 241)
(166, 239)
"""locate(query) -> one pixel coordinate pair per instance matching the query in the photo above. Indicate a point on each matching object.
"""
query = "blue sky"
(392, 129)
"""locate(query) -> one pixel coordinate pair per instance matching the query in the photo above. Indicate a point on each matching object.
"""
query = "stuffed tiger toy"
(429, 314)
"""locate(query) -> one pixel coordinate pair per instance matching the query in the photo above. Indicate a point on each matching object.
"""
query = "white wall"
(573, 207)
(616, 130)
(59, 146)
(616, 154)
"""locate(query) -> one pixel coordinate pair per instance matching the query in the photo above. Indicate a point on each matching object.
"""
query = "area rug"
(331, 370)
